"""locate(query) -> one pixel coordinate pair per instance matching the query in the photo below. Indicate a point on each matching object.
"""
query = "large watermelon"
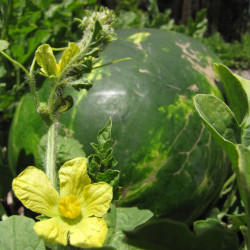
(169, 163)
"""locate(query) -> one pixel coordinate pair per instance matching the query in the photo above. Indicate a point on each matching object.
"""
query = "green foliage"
(67, 149)
(229, 125)
(234, 54)
(120, 219)
(235, 93)
(130, 16)
(17, 233)
(25, 25)
(167, 234)
(141, 121)
(100, 163)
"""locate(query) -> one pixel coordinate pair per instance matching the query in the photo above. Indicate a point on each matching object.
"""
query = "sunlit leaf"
(46, 60)
(235, 92)
(244, 175)
(71, 51)
(220, 121)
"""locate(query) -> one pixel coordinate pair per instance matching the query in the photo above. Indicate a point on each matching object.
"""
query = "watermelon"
(169, 163)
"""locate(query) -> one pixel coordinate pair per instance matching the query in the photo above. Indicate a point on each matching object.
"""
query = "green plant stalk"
(30, 76)
(16, 63)
(50, 155)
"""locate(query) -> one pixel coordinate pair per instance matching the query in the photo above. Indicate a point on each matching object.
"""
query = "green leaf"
(245, 139)
(119, 219)
(246, 128)
(246, 84)
(237, 221)
(17, 233)
(46, 60)
(235, 92)
(243, 176)
(3, 45)
(82, 83)
(67, 149)
(213, 235)
(104, 134)
(173, 235)
(162, 235)
(63, 104)
(97, 30)
(110, 176)
(71, 51)
(220, 121)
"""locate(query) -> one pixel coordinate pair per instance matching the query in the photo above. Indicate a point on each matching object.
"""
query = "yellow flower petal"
(34, 189)
(90, 232)
(73, 177)
(53, 230)
(96, 199)
(71, 51)
(46, 59)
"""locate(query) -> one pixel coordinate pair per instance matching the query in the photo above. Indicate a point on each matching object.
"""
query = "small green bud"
(97, 28)
(43, 109)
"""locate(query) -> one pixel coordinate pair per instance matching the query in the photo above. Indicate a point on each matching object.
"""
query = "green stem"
(50, 160)
(33, 90)
(16, 63)
(51, 100)
(112, 62)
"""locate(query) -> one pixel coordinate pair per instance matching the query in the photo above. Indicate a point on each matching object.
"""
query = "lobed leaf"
(110, 176)
(104, 134)
(82, 83)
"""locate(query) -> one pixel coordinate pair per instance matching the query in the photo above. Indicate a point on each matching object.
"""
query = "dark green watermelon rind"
(159, 168)
(172, 165)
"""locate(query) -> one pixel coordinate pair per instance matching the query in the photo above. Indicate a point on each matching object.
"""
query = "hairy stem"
(33, 91)
(50, 156)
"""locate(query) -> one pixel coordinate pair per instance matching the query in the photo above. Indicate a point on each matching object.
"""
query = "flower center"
(69, 206)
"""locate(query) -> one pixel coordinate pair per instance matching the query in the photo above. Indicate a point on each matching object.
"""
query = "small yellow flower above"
(46, 60)
(76, 213)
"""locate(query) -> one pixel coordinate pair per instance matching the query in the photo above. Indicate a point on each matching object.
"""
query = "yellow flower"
(76, 213)
(46, 60)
